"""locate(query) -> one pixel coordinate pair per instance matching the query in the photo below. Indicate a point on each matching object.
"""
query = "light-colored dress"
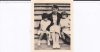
(43, 26)
(64, 23)
(55, 27)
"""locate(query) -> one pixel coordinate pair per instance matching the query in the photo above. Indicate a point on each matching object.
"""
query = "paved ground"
(44, 46)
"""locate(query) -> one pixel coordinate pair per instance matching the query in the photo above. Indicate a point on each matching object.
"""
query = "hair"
(64, 13)
(55, 6)
(44, 16)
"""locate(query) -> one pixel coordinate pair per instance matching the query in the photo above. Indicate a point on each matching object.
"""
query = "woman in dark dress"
(54, 27)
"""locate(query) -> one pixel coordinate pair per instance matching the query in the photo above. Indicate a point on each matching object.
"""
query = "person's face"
(55, 10)
(64, 16)
(45, 19)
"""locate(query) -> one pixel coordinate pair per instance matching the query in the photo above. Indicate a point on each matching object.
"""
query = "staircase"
(40, 8)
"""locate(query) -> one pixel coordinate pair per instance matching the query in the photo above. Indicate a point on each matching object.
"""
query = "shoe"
(54, 46)
(57, 46)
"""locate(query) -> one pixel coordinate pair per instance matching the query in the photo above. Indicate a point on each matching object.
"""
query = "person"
(43, 28)
(55, 33)
(65, 27)
(54, 27)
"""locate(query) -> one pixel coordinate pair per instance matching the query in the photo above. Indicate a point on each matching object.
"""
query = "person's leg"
(57, 40)
(66, 38)
(48, 37)
(40, 37)
(54, 39)
(66, 31)
(62, 35)
(57, 30)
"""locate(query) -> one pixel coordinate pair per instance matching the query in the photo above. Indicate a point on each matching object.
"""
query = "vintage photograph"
(52, 26)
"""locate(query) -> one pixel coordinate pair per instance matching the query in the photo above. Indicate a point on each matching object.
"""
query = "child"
(65, 27)
(43, 28)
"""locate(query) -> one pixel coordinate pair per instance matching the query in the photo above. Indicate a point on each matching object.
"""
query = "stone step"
(44, 41)
(51, 3)
(49, 8)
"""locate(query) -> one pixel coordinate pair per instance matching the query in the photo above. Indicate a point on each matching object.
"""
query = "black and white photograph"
(52, 26)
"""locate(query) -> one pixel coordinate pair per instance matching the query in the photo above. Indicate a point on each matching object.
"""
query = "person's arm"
(41, 25)
(39, 31)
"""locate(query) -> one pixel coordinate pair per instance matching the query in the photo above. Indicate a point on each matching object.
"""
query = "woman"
(54, 27)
